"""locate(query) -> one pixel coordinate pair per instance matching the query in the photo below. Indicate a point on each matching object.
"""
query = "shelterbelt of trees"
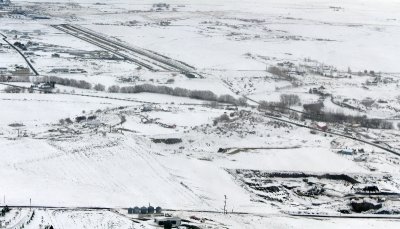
(159, 89)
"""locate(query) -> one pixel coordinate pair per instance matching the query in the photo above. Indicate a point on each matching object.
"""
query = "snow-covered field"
(88, 219)
(91, 148)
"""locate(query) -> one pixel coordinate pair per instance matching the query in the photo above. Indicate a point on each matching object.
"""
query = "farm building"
(174, 221)
(347, 151)
(21, 71)
(322, 126)
(147, 108)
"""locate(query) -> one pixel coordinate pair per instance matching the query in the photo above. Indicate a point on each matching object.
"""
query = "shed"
(175, 221)
(322, 126)
(347, 151)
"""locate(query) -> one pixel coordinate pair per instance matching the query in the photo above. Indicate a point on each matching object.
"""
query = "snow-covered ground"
(86, 148)
(88, 219)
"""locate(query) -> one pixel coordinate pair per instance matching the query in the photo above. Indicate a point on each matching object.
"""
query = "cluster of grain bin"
(145, 210)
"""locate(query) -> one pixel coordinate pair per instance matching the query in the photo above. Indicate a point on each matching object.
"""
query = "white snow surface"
(115, 162)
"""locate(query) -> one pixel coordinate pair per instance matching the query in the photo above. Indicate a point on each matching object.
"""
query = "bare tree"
(99, 87)
(276, 71)
(314, 108)
(289, 100)
(113, 89)
(227, 99)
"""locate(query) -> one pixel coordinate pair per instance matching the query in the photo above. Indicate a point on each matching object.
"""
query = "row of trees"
(339, 117)
(13, 79)
(315, 112)
(99, 87)
(286, 101)
(289, 100)
(282, 73)
(58, 80)
(266, 105)
(276, 71)
(71, 82)
(182, 92)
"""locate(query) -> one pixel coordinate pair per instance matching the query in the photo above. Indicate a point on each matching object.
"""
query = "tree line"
(315, 112)
(177, 91)
(159, 89)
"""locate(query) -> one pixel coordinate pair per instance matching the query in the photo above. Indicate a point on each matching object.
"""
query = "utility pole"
(225, 211)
